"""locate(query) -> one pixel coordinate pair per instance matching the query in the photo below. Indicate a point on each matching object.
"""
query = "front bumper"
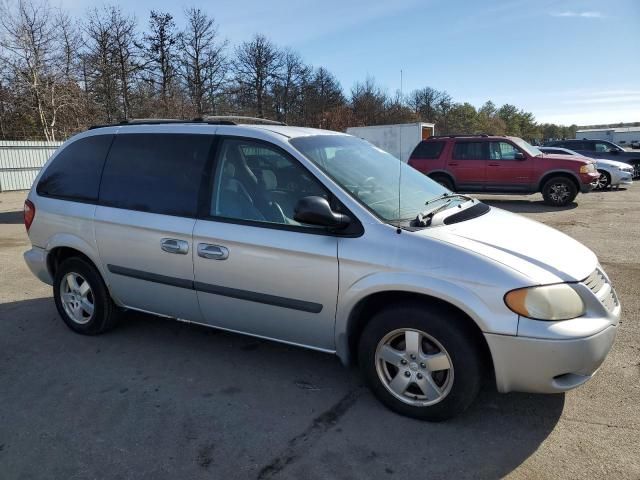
(536, 365)
(622, 178)
(36, 260)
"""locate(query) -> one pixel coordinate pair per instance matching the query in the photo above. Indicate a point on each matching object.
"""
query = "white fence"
(20, 162)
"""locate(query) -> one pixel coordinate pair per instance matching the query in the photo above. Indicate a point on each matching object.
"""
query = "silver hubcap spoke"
(437, 362)
(400, 383)
(429, 388)
(77, 298)
(391, 355)
(414, 367)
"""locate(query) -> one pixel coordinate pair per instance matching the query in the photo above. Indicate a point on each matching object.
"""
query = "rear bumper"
(36, 260)
(536, 365)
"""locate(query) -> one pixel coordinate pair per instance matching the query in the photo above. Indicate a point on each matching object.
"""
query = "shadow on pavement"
(526, 206)
(172, 400)
(11, 217)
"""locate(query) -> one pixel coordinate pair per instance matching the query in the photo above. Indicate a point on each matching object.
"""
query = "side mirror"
(519, 156)
(317, 211)
(614, 150)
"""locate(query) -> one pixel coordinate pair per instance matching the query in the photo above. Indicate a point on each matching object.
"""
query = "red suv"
(483, 163)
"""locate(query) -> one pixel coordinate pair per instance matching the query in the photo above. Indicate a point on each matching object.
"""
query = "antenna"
(401, 161)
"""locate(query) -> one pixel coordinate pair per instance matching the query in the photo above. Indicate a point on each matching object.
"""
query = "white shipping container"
(20, 162)
(399, 140)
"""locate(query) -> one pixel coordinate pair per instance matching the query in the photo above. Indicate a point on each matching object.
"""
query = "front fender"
(491, 316)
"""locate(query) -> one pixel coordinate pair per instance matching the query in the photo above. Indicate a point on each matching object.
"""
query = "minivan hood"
(541, 253)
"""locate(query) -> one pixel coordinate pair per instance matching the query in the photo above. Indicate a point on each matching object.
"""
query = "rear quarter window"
(74, 174)
(428, 150)
(156, 173)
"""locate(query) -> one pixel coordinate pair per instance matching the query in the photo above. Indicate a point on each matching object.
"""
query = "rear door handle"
(453, 164)
(173, 245)
(213, 252)
(494, 164)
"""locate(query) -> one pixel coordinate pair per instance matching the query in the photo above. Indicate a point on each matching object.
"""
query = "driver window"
(502, 151)
(256, 182)
(602, 147)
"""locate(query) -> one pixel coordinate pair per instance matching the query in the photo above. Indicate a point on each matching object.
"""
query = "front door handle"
(494, 164)
(213, 252)
(173, 245)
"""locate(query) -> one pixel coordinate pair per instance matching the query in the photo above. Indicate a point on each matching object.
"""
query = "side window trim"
(207, 191)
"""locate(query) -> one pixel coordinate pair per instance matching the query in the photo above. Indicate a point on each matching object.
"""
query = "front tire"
(421, 361)
(444, 181)
(82, 298)
(559, 191)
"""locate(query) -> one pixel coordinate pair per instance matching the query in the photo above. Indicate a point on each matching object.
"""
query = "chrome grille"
(597, 282)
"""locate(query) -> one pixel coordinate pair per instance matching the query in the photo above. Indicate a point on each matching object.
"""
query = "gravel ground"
(158, 399)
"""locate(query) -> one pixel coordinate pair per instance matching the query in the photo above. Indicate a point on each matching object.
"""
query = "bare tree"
(204, 65)
(99, 69)
(288, 88)
(322, 94)
(256, 68)
(125, 55)
(30, 44)
(161, 55)
(368, 102)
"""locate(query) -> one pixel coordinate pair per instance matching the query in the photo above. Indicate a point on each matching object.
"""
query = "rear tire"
(421, 361)
(604, 181)
(82, 298)
(444, 181)
(559, 191)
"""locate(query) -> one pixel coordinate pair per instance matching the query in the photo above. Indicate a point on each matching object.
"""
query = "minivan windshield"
(526, 146)
(372, 175)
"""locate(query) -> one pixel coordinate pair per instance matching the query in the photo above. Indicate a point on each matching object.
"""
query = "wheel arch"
(559, 173)
(363, 310)
(63, 246)
(442, 173)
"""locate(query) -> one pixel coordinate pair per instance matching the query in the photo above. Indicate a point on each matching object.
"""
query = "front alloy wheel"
(408, 353)
(414, 367)
(604, 180)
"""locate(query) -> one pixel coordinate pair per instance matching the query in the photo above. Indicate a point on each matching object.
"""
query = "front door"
(257, 270)
(468, 163)
(145, 219)
(505, 172)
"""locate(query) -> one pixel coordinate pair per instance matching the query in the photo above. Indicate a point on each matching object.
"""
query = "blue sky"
(567, 61)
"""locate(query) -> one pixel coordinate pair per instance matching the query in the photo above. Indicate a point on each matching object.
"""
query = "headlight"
(548, 302)
(588, 168)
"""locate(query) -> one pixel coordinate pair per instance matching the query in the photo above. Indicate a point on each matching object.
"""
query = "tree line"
(59, 75)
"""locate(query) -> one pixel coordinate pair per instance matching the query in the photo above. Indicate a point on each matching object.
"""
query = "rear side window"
(428, 150)
(157, 173)
(470, 151)
(75, 172)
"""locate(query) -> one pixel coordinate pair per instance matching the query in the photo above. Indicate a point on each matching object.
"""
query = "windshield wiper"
(447, 195)
(424, 218)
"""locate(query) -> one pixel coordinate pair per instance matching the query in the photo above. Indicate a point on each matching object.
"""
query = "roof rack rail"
(236, 119)
(461, 136)
(210, 120)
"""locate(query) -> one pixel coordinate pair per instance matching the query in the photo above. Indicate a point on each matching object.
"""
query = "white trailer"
(398, 140)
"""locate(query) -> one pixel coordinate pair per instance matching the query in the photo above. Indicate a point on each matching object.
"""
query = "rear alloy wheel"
(82, 298)
(559, 191)
(604, 180)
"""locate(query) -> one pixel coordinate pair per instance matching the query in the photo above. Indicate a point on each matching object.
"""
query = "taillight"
(29, 213)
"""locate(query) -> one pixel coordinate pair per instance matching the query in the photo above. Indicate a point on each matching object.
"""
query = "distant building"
(622, 136)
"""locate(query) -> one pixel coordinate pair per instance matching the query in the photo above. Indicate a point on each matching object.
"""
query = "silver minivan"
(318, 239)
